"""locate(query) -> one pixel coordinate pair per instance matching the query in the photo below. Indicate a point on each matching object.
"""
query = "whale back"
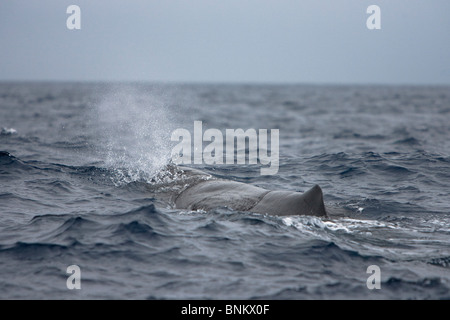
(211, 194)
(285, 203)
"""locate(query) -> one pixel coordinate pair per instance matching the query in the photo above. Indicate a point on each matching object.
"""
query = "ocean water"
(81, 165)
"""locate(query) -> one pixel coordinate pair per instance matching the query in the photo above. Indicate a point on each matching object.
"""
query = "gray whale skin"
(209, 193)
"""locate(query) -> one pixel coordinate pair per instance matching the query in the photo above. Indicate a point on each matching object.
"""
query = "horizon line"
(225, 82)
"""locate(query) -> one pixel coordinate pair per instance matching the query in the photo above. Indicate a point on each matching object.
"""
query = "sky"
(221, 41)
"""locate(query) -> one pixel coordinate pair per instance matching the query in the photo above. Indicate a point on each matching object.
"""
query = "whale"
(198, 190)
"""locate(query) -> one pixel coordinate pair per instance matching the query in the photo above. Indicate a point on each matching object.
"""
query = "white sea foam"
(347, 225)
(7, 131)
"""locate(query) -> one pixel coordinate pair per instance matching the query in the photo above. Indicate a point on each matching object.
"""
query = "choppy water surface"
(81, 166)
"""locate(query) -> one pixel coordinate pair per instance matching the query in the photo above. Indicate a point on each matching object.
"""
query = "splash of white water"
(133, 133)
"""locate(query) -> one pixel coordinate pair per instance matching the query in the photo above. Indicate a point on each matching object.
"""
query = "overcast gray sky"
(302, 41)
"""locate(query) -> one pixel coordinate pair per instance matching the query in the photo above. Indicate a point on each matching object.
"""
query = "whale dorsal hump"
(286, 203)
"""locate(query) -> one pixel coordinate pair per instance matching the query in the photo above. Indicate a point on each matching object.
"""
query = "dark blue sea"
(81, 165)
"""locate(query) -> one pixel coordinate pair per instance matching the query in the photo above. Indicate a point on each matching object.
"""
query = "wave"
(10, 164)
(67, 231)
(7, 131)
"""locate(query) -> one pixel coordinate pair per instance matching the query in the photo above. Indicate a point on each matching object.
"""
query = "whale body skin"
(207, 194)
